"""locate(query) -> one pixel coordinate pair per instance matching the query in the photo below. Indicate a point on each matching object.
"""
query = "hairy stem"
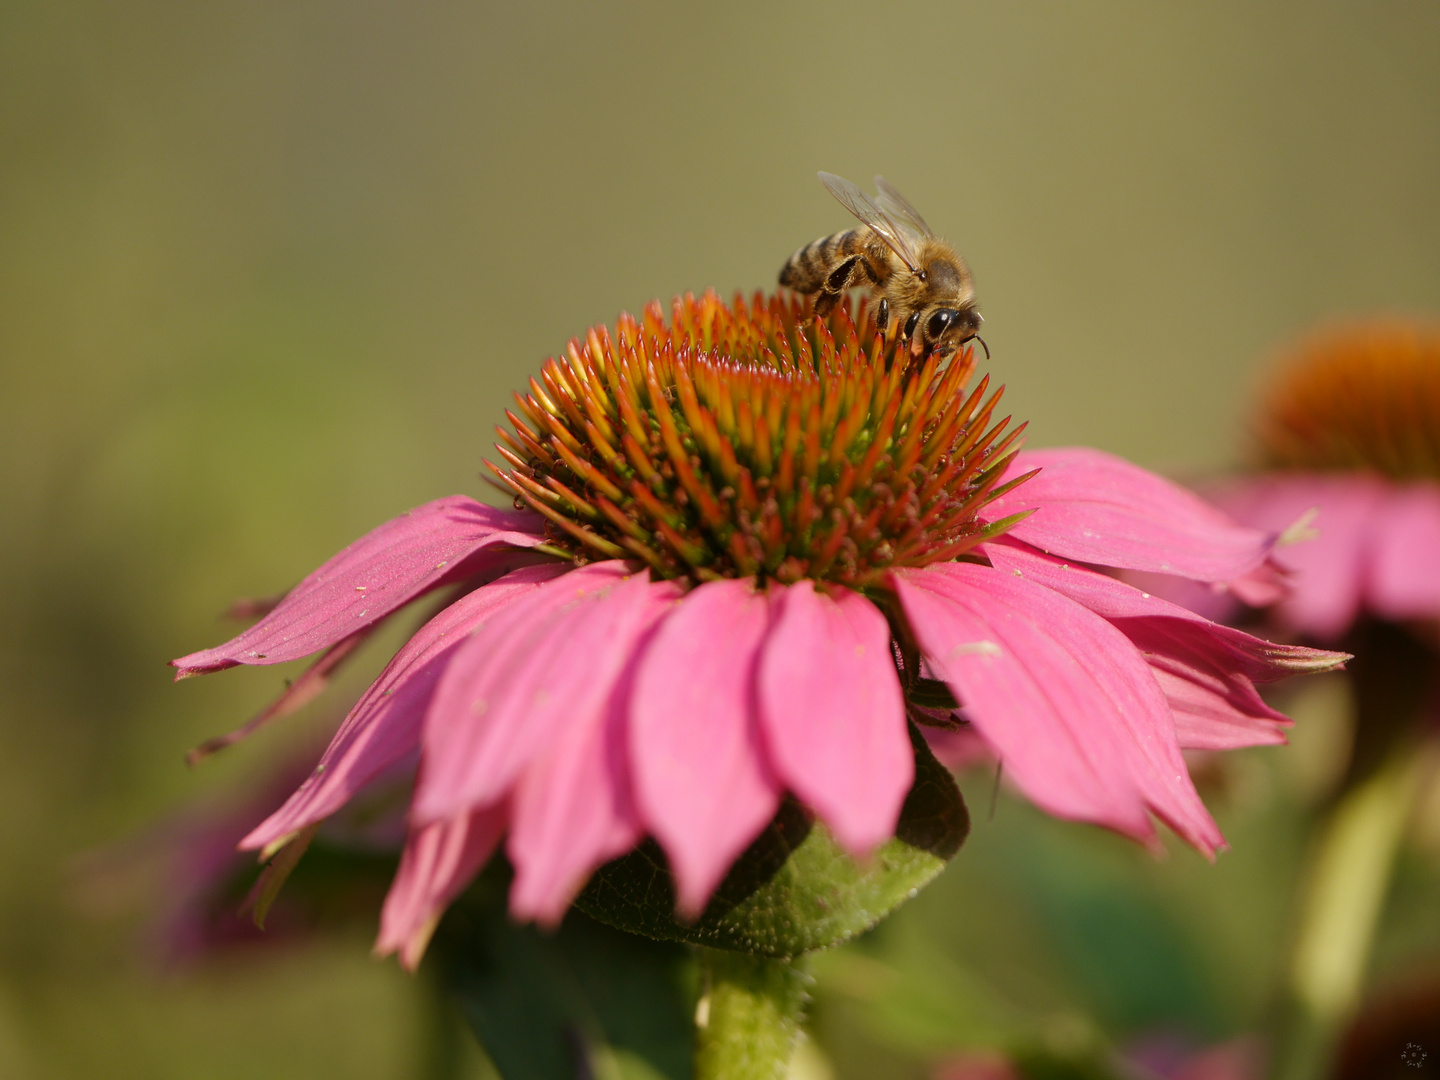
(748, 1019)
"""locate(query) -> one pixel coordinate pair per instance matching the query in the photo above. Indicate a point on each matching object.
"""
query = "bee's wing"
(898, 207)
(864, 208)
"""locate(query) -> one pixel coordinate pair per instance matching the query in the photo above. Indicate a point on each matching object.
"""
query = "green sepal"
(794, 890)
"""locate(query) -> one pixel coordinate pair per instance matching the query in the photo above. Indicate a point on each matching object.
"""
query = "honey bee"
(921, 282)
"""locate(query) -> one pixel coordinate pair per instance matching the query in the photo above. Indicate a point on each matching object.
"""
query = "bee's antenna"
(981, 340)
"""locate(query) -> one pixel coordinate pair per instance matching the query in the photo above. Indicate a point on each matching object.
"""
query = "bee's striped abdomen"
(807, 270)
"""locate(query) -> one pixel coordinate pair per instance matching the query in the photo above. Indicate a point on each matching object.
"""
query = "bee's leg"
(850, 272)
(908, 332)
(882, 315)
(840, 278)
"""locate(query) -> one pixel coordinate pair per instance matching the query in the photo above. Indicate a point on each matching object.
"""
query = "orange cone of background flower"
(1348, 440)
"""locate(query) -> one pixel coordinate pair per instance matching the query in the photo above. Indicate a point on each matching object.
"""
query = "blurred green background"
(268, 273)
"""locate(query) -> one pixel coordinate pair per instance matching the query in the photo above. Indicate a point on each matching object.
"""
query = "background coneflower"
(1347, 444)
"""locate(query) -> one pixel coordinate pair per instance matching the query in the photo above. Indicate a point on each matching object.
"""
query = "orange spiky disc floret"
(1356, 397)
(752, 439)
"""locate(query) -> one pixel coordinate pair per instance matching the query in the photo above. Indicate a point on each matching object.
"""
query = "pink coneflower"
(1348, 443)
(1348, 447)
(753, 544)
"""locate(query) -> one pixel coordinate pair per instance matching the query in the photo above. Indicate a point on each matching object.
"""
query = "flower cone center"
(1359, 397)
(753, 439)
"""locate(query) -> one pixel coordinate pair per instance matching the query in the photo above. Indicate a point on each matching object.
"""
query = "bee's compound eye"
(938, 324)
(910, 324)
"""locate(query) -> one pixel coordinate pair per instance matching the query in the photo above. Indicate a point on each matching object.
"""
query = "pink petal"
(385, 723)
(1096, 508)
(833, 714)
(1064, 698)
(514, 687)
(1267, 584)
(1327, 571)
(1207, 671)
(1215, 706)
(293, 698)
(383, 570)
(959, 749)
(574, 805)
(1405, 562)
(438, 862)
(703, 784)
(1125, 605)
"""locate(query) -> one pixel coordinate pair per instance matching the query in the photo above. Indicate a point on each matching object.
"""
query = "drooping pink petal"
(833, 714)
(438, 862)
(1205, 670)
(1404, 578)
(516, 685)
(1215, 706)
(1329, 569)
(295, 697)
(1064, 698)
(1097, 508)
(702, 780)
(574, 806)
(959, 749)
(1123, 604)
(383, 570)
(385, 723)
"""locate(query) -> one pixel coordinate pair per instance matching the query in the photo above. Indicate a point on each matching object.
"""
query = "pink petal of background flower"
(1404, 578)
(1372, 546)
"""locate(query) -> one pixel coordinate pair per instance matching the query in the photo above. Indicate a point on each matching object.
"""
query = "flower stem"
(748, 1019)
(1340, 909)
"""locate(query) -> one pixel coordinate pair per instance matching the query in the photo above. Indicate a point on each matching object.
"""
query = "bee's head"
(944, 329)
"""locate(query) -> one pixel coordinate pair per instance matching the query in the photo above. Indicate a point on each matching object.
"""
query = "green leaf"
(584, 1001)
(794, 890)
